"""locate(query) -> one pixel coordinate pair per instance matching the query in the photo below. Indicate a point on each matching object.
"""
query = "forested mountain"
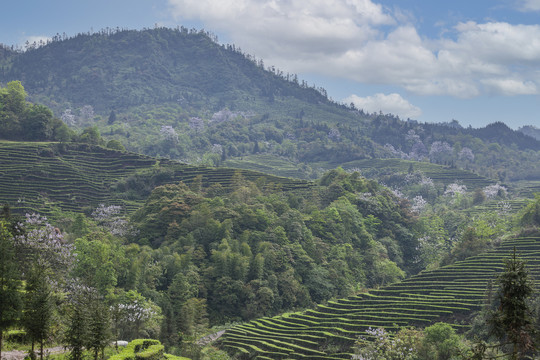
(177, 93)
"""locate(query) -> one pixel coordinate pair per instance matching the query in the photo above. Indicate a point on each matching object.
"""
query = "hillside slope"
(450, 294)
(177, 93)
(39, 177)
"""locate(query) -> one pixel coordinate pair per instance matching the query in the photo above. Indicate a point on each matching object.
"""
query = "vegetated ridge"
(178, 93)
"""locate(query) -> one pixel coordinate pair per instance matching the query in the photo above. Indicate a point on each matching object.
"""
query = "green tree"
(440, 342)
(37, 123)
(77, 331)
(530, 215)
(38, 307)
(115, 145)
(9, 283)
(91, 135)
(512, 322)
(112, 117)
(98, 325)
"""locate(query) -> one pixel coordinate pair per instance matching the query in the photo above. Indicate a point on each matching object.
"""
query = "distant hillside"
(42, 177)
(531, 131)
(450, 294)
(117, 70)
(177, 93)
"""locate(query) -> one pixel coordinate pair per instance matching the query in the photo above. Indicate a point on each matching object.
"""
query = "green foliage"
(20, 120)
(249, 254)
(512, 322)
(530, 215)
(10, 298)
(38, 312)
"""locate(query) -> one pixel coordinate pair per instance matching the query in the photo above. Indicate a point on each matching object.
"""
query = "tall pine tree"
(38, 307)
(512, 322)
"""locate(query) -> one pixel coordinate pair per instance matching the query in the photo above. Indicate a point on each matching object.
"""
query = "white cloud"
(529, 5)
(366, 42)
(391, 103)
(511, 86)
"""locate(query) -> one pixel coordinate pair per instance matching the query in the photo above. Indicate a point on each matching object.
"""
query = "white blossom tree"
(110, 217)
(168, 133)
(440, 151)
(68, 118)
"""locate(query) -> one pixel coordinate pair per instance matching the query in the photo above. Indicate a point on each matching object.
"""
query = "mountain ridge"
(177, 93)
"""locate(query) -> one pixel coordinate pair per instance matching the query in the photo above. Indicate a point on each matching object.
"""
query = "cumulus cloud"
(366, 42)
(391, 103)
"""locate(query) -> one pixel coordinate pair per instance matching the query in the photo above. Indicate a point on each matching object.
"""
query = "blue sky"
(475, 61)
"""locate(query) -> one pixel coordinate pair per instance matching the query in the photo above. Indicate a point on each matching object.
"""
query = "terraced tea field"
(42, 177)
(449, 294)
(267, 163)
(438, 173)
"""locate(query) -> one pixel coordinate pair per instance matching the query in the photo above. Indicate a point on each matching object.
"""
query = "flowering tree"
(131, 312)
(87, 113)
(393, 152)
(168, 133)
(492, 191)
(455, 189)
(41, 243)
(381, 346)
(418, 204)
(67, 117)
(418, 151)
(466, 154)
(110, 218)
(217, 149)
(440, 151)
(196, 124)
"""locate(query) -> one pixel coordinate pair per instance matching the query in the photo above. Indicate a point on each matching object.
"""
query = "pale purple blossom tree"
(39, 241)
(168, 133)
(418, 151)
(196, 124)
(466, 154)
(68, 118)
(440, 150)
(110, 218)
(222, 116)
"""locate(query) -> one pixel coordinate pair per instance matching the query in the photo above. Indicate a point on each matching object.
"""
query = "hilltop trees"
(20, 120)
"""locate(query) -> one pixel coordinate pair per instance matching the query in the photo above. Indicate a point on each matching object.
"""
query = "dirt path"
(19, 355)
(205, 340)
